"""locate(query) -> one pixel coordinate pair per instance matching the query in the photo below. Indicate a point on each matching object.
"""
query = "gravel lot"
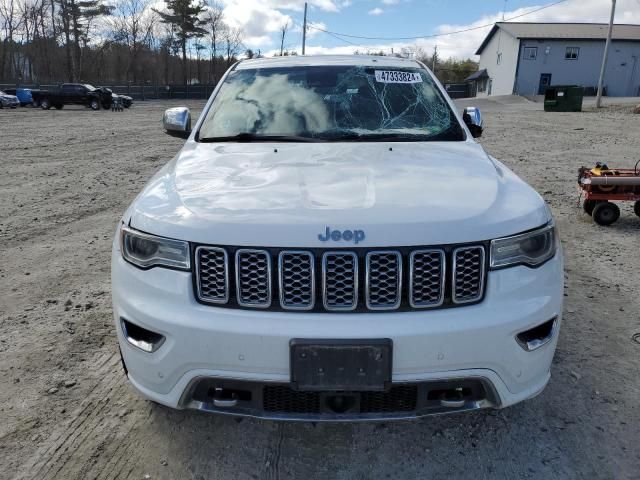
(66, 410)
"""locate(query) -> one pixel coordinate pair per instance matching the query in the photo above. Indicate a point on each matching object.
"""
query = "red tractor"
(601, 185)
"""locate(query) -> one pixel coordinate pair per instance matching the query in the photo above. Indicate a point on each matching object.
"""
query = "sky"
(261, 21)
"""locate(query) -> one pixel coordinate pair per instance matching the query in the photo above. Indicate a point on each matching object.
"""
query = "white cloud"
(260, 21)
(464, 45)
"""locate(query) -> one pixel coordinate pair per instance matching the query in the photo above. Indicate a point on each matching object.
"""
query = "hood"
(287, 194)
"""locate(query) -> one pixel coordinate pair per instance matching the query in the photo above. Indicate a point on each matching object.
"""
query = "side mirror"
(177, 122)
(473, 119)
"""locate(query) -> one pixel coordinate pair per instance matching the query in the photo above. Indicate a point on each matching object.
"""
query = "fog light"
(537, 337)
(141, 338)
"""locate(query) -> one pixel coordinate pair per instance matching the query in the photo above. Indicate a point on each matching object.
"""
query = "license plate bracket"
(341, 365)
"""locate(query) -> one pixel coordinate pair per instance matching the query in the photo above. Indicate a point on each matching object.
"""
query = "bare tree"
(283, 33)
(11, 22)
(132, 25)
(215, 28)
(233, 43)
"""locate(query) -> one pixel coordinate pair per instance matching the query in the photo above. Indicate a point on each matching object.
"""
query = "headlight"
(146, 251)
(531, 248)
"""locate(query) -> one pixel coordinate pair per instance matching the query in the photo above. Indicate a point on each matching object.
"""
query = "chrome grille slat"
(212, 274)
(427, 273)
(340, 281)
(383, 280)
(468, 274)
(296, 279)
(253, 278)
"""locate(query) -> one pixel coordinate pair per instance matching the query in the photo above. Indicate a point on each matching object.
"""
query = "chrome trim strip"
(269, 290)
(226, 275)
(186, 401)
(443, 277)
(454, 257)
(313, 279)
(396, 305)
(324, 281)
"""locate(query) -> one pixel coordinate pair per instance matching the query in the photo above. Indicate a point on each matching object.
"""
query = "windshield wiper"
(375, 137)
(255, 137)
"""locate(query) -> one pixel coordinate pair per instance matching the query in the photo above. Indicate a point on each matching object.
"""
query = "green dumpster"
(563, 98)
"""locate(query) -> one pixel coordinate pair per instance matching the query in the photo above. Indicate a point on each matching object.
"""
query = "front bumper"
(10, 103)
(227, 346)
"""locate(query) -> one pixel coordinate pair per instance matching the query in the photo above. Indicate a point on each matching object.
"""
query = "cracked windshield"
(340, 103)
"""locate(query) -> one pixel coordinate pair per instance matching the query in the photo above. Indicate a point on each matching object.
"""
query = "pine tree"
(184, 16)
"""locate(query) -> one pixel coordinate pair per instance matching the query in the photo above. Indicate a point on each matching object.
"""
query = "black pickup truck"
(73, 94)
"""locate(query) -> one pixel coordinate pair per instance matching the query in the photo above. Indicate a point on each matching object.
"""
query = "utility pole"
(606, 54)
(304, 28)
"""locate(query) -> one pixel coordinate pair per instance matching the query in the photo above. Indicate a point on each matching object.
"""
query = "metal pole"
(304, 28)
(606, 54)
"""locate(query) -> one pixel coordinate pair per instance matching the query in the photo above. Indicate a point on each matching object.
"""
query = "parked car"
(331, 243)
(10, 101)
(23, 94)
(73, 94)
(126, 100)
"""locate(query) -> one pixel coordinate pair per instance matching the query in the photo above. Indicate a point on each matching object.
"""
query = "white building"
(525, 58)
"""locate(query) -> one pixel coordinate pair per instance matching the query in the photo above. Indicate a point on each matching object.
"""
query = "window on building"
(530, 53)
(572, 53)
(499, 59)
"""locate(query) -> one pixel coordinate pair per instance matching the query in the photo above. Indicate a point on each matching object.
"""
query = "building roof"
(477, 75)
(326, 60)
(563, 31)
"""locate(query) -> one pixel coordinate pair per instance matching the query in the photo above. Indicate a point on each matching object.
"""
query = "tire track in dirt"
(75, 449)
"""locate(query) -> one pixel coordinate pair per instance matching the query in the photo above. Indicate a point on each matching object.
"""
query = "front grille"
(297, 280)
(384, 279)
(361, 280)
(213, 274)
(282, 399)
(427, 282)
(397, 399)
(253, 278)
(340, 280)
(468, 274)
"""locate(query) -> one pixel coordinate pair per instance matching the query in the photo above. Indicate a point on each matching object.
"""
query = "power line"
(436, 34)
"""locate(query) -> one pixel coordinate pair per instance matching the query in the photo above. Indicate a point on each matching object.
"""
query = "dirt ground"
(67, 411)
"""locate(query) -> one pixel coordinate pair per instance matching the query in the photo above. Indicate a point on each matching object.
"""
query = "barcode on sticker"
(391, 76)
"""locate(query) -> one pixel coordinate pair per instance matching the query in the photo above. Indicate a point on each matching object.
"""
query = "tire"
(636, 208)
(35, 104)
(45, 104)
(59, 107)
(589, 205)
(606, 213)
(94, 105)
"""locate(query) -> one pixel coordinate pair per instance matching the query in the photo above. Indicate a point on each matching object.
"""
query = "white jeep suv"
(332, 244)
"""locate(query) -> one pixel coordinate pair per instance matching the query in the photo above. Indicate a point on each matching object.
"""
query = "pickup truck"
(73, 94)
(331, 243)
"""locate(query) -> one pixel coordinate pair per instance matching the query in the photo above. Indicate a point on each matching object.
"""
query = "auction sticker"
(391, 76)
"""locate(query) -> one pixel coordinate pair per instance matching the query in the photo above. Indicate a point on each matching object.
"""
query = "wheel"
(45, 104)
(589, 205)
(35, 104)
(606, 213)
(95, 105)
(636, 208)
(59, 107)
